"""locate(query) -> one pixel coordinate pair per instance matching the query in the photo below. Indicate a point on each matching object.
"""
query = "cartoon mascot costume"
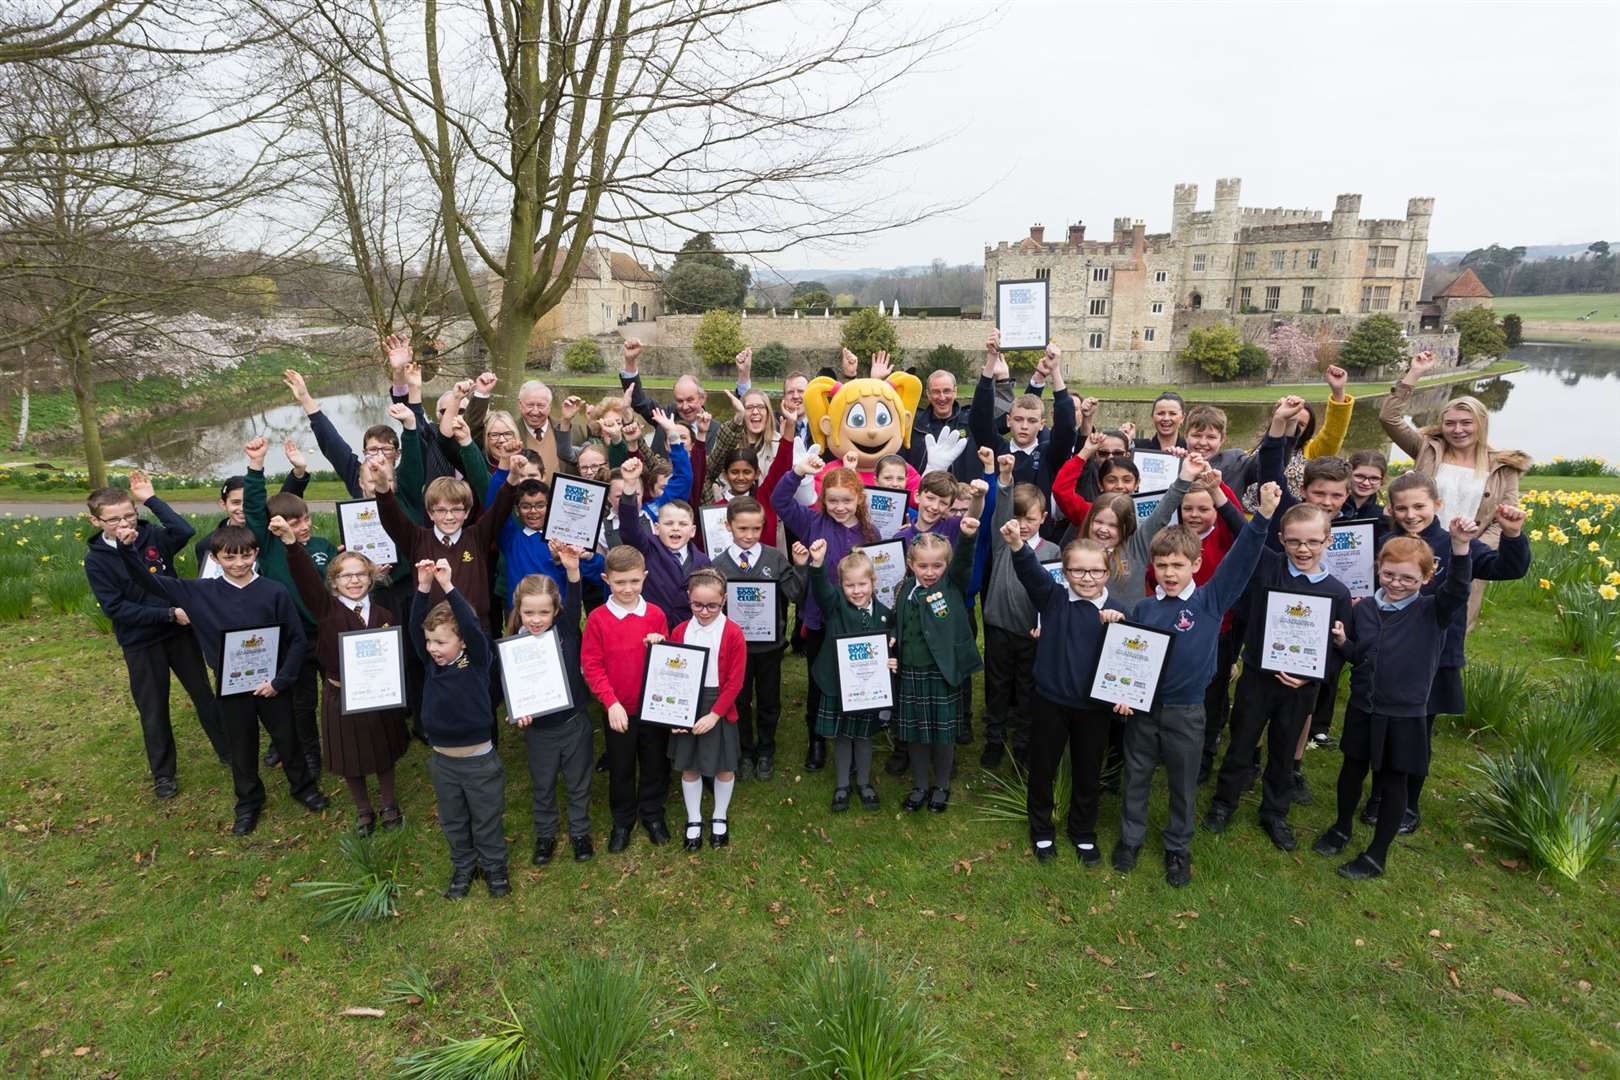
(870, 418)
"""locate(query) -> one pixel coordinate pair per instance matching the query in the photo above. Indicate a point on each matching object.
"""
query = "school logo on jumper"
(466, 556)
(1184, 620)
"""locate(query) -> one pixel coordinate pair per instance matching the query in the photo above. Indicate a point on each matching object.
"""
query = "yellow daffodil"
(1535, 535)
(1544, 583)
(1613, 578)
(1594, 546)
(1608, 592)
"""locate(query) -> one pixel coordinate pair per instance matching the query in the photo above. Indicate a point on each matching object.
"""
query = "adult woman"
(1456, 453)
(501, 438)
(750, 429)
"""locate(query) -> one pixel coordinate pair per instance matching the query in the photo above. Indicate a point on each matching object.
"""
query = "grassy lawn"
(1562, 306)
(1602, 484)
(152, 943)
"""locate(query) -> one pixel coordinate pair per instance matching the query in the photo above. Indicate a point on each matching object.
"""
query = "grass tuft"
(413, 986)
(373, 890)
(65, 590)
(16, 598)
(1005, 798)
(1530, 802)
(11, 897)
(1496, 696)
(1594, 693)
(1588, 625)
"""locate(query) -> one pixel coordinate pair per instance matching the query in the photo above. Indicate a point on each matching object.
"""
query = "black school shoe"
(840, 800)
(693, 840)
(460, 883)
(496, 880)
(1409, 823)
(939, 800)
(1177, 869)
(619, 838)
(1362, 868)
(545, 849)
(1125, 857)
(1331, 842)
(914, 800)
(246, 822)
(657, 832)
(165, 787)
(1218, 817)
(1281, 833)
(1369, 813)
(815, 755)
(315, 802)
(992, 755)
(272, 757)
(869, 797)
(1088, 853)
(1045, 851)
(719, 839)
(764, 767)
(583, 849)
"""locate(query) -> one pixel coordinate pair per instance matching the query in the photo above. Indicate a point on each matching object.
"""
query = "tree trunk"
(84, 393)
(509, 358)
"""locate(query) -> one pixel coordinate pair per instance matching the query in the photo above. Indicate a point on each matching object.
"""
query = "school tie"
(359, 609)
(742, 560)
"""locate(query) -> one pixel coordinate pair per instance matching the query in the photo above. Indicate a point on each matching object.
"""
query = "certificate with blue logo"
(863, 672)
(575, 514)
(1349, 556)
(887, 509)
(752, 606)
(1023, 315)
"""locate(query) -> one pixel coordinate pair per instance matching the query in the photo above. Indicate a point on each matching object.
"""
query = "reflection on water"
(1565, 403)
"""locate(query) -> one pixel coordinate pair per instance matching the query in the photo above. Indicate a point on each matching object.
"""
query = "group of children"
(475, 564)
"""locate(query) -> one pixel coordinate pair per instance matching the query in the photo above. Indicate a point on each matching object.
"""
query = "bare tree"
(636, 121)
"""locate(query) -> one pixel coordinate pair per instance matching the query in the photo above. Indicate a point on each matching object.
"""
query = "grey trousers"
(471, 793)
(1172, 737)
(561, 746)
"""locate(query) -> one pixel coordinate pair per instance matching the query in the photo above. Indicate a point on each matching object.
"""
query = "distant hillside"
(1532, 253)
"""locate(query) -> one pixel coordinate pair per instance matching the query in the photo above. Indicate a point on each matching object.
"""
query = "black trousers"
(813, 640)
(1264, 706)
(1217, 696)
(306, 700)
(1085, 732)
(1009, 687)
(759, 705)
(1327, 695)
(149, 667)
(240, 716)
(638, 772)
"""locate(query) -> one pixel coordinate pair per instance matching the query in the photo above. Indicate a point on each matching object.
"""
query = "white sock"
(722, 802)
(1043, 843)
(692, 795)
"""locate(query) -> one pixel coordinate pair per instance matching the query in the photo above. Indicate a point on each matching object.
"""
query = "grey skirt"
(715, 751)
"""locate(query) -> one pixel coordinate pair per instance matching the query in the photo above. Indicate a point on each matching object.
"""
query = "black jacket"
(1396, 653)
(139, 617)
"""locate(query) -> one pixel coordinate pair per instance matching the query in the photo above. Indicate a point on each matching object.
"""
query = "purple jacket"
(666, 578)
(809, 526)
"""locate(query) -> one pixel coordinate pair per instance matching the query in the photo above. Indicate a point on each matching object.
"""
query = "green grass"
(163, 946)
(1562, 306)
(1601, 484)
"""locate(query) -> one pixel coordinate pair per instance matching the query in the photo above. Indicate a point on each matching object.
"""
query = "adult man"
(534, 404)
(690, 398)
(944, 413)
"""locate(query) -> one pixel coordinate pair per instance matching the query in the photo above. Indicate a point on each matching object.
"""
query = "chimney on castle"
(1037, 233)
(1077, 234)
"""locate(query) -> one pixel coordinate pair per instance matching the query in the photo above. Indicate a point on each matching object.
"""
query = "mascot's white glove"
(943, 452)
(807, 493)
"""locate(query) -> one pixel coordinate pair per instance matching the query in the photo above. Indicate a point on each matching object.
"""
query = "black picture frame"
(219, 672)
(900, 493)
(562, 667)
(1158, 682)
(1046, 287)
(646, 679)
(601, 516)
(1325, 646)
(397, 632)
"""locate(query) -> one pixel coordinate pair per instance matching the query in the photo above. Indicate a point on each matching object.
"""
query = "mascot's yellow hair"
(826, 397)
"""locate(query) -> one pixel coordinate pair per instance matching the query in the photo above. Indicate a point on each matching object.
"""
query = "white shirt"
(447, 539)
(737, 554)
(1098, 603)
(245, 584)
(1158, 591)
(530, 532)
(364, 604)
(1461, 491)
(619, 612)
(709, 638)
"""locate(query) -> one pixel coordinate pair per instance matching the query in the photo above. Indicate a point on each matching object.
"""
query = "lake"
(1565, 404)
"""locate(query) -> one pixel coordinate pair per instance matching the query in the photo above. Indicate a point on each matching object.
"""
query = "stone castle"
(1124, 294)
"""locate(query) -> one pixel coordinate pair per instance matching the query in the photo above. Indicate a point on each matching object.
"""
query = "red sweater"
(733, 658)
(614, 654)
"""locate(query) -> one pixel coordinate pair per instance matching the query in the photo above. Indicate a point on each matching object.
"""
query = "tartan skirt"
(832, 721)
(930, 709)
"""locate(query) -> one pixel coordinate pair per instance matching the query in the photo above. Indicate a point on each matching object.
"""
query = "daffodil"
(1608, 592)
(1544, 583)
(1594, 546)
(1535, 535)
(1613, 578)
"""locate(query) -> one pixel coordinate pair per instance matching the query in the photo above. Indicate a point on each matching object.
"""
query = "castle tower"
(1346, 214)
(1228, 190)
(1419, 212)
(1181, 211)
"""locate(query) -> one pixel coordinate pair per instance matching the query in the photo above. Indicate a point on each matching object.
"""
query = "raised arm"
(1330, 439)
(308, 580)
(1392, 413)
(1033, 577)
(1233, 575)
(1065, 490)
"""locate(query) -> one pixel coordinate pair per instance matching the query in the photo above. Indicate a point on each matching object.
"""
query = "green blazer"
(940, 615)
(840, 617)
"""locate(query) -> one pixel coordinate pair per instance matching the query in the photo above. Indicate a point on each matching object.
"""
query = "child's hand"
(264, 690)
(700, 426)
(379, 474)
(1128, 429)
(632, 357)
(1035, 634)
(617, 718)
(788, 426)
(1463, 530)
(1293, 682)
(705, 724)
(402, 412)
(630, 471)
(970, 526)
(413, 380)
(894, 665)
(397, 351)
(181, 617)
(255, 450)
(880, 365)
(1088, 407)
(1337, 378)
(849, 363)
(653, 639)
(1093, 443)
(1124, 710)
(664, 421)
(1511, 517)
(514, 468)
(818, 552)
(568, 555)
(464, 389)
(484, 385)
(295, 457)
(987, 459)
(1339, 636)
(1192, 467)
(979, 488)
(1012, 534)
(1109, 615)
(441, 574)
(992, 348)
(295, 383)
(1270, 496)
(630, 430)
(1423, 363)
(810, 463)
(140, 487)
(522, 722)
(1209, 480)
(1004, 468)
(800, 553)
(282, 531)
(852, 461)
(745, 368)
(424, 575)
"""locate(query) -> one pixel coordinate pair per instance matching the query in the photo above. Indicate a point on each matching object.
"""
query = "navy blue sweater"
(455, 696)
(1509, 562)
(139, 617)
(1273, 455)
(214, 606)
(1396, 653)
(1071, 632)
(1196, 621)
(1272, 573)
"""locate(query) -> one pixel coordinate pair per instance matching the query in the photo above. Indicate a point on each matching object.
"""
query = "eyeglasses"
(1085, 572)
(447, 511)
(380, 451)
(1399, 579)
(122, 519)
(715, 606)
(1101, 453)
(1371, 478)
(1303, 543)
(503, 436)
(354, 575)
(755, 408)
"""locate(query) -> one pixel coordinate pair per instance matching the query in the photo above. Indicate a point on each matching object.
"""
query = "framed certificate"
(889, 558)
(1055, 568)
(887, 509)
(371, 669)
(1349, 556)
(716, 536)
(534, 678)
(863, 672)
(248, 659)
(1130, 665)
(1023, 314)
(1156, 469)
(1296, 633)
(576, 510)
(673, 683)
(360, 529)
(752, 606)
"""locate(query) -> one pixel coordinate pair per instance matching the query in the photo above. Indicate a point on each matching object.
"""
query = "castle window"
(1372, 258)
(1245, 294)
(1386, 258)
(1147, 333)
(1158, 307)
(1248, 260)
(1094, 340)
(1043, 275)
(1366, 298)
(1273, 297)
(1161, 276)
(1099, 273)
(1199, 262)
(1380, 300)
(1276, 260)
(1098, 307)
(1313, 258)
(1203, 232)
(1307, 298)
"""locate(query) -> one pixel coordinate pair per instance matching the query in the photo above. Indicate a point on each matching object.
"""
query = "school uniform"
(561, 742)
(1173, 734)
(1062, 712)
(153, 643)
(469, 785)
(1010, 618)
(1039, 462)
(841, 618)
(667, 569)
(613, 657)
(716, 750)
(353, 744)
(937, 652)
(526, 551)
(759, 703)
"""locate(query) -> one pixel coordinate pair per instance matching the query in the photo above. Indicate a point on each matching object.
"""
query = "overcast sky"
(1062, 110)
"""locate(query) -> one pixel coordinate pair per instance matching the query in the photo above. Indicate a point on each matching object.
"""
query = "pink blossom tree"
(1291, 349)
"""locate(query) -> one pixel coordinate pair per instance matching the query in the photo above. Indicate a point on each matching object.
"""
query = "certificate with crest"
(889, 559)
(673, 684)
(1349, 556)
(248, 659)
(887, 509)
(1297, 631)
(1145, 505)
(371, 669)
(360, 529)
(1055, 568)
(1023, 314)
(863, 672)
(1131, 665)
(575, 513)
